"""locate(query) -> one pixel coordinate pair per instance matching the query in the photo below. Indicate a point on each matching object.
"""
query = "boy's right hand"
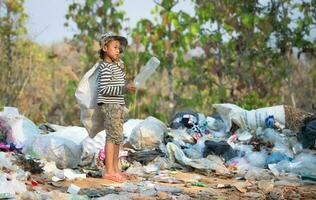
(131, 87)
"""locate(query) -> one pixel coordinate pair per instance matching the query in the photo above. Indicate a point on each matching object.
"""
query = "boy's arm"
(106, 86)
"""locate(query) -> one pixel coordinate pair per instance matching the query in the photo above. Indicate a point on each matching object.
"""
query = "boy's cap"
(105, 38)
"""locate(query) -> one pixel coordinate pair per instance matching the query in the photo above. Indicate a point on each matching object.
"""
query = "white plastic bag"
(90, 149)
(148, 134)
(86, 95)
(87, 90)
(249, 119)
(24, 131)
(64, 152)
(74, 133)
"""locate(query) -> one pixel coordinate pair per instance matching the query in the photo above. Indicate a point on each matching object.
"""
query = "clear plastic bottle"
(146, 72)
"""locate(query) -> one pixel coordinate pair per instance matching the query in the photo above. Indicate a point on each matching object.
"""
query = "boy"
(111, 89)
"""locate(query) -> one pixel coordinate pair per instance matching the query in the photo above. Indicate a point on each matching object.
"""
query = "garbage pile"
(264, 145)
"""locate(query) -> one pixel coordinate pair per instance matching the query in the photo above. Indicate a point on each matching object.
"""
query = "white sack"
(249, 119)
(86, 95)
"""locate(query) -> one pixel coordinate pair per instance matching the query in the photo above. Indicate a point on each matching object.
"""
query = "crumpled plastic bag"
(175, 154)
(148, 134)
(64, 152)
(24, 131)
(90, 149)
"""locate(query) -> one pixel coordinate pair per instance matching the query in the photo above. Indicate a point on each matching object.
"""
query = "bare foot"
(126, 175)
(116, 177)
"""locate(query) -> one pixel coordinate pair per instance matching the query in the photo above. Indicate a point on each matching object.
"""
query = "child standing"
(111, 89)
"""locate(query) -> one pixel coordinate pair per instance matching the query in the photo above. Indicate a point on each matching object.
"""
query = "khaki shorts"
(113, 122)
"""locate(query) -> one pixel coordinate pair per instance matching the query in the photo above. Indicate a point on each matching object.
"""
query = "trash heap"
(268, 145)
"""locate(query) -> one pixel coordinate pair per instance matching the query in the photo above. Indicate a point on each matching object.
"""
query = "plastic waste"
(64, 152)
(148, 134)
(271, 135)
(221, 148)
(257, 159)
(6, 162)
(269, 121)
(255, 173)
(74, 133)
(90, 149)
(283, 148)
(276, 157)
(215, 124)
(5, 130)
(10, 185)
(73, 189)
(307, 134)
(252, 119)
(168, 189)
(145, 156)
(24, 131)
(179, 135)
(129, 126)
(86, 96)
(303, 164)
(244, 136)
(87, 90)
(146, 72)
(175, 154)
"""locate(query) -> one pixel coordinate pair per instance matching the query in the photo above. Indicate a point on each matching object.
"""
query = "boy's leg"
(113, 128)
(116, 158)
(109, 158)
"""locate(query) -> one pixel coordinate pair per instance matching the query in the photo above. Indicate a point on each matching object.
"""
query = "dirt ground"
(208, 187)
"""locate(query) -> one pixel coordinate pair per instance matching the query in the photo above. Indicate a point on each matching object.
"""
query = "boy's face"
(112, 50)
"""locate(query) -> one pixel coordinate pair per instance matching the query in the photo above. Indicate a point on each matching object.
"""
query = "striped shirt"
(111, 83)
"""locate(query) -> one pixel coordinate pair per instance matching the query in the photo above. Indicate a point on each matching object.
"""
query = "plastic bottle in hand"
(146, 72)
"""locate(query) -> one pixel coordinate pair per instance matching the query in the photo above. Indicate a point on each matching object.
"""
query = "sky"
(47, 17)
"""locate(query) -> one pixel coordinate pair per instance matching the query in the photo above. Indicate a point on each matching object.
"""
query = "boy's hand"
(131, 87)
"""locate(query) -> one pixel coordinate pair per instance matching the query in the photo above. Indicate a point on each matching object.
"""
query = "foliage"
(253, 54)
(93, 18)
(14, 76)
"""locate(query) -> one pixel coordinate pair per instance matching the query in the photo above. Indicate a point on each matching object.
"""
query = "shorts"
(113, 122)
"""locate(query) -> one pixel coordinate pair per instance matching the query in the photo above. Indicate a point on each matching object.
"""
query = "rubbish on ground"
(91, 148)
(7, 196)
(266, 185)
(209, 163)
(10, 184)
(5, 130)
(221, 148)
(129, 126)
(64, 152)
(255, 173)
(35, 166)
(307, 134)
(73, 189)
(148, 134)
(276, 157)
(144, 157)
(200, 184)
(248, 120)
(24, 131)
